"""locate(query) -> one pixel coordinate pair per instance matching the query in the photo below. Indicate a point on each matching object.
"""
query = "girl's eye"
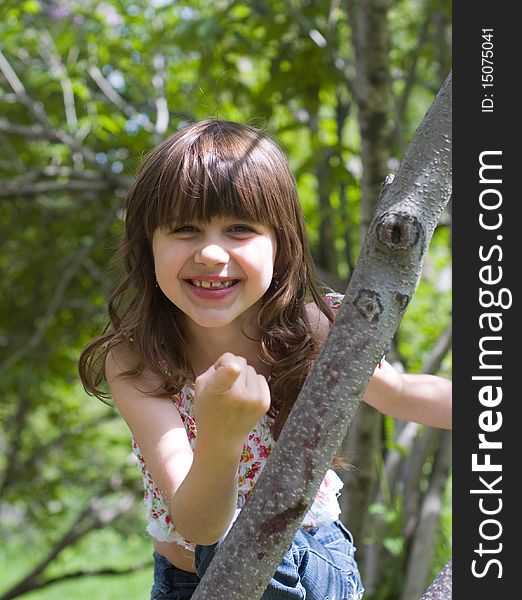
(184, 229)
(241, 229)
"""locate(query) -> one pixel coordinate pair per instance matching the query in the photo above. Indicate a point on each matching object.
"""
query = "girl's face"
(216, 272)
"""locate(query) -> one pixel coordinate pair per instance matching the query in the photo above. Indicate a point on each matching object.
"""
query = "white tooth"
(213, 284)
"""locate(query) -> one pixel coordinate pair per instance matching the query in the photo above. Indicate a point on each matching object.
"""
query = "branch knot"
(368, 303)
(398, 231)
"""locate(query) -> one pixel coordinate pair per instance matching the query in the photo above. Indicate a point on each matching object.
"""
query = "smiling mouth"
(215, 285)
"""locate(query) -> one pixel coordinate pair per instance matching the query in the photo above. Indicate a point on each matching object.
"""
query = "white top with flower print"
(256, 450)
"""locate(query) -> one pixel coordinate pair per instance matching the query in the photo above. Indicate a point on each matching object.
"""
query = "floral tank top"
(256, 450)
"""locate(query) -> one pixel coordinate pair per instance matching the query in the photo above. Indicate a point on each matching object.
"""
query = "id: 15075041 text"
(487, 70)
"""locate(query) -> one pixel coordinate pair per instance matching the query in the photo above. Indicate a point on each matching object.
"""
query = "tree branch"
(423, 447)
(112, 95)
(38, 112)
(439, 351)
(31, 132)
(382, 284)
(11, 76)
(51, 56)
(14, 190)
(77, 574)
(72, 179)
(158, 81)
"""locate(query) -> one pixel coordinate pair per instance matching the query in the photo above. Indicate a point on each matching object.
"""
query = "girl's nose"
(211, 254)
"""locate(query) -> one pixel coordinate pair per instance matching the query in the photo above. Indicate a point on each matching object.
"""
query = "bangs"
(216, 174)
(220, 188)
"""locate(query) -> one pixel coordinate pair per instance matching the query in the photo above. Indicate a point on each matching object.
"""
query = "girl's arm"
(425, 399)
(199, 487)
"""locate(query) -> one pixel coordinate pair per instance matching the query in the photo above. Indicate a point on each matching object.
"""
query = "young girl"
(213, 329)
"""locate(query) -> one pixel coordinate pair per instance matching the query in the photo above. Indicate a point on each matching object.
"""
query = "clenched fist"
(230, 398)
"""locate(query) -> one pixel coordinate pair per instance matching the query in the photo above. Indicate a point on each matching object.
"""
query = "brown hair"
(207, 169)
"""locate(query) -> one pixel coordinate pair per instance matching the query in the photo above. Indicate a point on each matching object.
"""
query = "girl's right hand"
(230, 398)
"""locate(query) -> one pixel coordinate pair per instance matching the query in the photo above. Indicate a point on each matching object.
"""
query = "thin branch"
(113, 96)
(13, 190)
(96, 274)
(38, 112)
(342, 110)
(93, 573)
(158, 81)
(424, 445)
(11, 76)
(333, 11)
(378, 525)
(31, 132)
(439, 351)
(71, 179)
(51, 56)
(64, 171)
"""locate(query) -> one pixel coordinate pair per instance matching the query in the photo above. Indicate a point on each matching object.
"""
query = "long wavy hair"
(209, 169)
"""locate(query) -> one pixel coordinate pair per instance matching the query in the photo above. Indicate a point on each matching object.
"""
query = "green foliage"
(89, 87)
(102, 549)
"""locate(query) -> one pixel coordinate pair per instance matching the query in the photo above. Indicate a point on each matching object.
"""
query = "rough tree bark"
(382, 284)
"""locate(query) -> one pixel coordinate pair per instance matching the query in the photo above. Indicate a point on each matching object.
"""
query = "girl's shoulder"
(318, 320)
(121, 357)
(122, 361)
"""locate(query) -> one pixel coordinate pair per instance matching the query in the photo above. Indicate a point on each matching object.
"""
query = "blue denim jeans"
(319, 565)
(171, 583)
